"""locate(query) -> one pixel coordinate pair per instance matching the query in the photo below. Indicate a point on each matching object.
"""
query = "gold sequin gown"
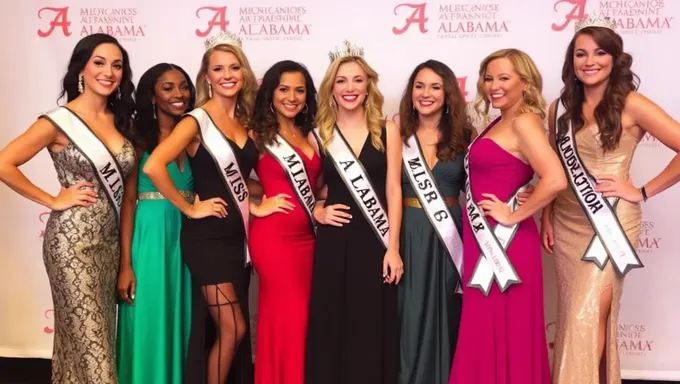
(81, 251)
(580, 283)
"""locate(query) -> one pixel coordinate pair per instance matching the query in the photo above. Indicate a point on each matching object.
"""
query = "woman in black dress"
(352, 331)
(215, 246)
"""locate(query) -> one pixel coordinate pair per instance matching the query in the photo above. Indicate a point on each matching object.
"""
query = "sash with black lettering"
(293, 165)
(493, 262)
(356, 179)
(225, 159)
(610, 240)
(108, 171)
(431, 199)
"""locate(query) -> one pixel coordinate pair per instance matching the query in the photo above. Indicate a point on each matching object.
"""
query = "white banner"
(39, 36)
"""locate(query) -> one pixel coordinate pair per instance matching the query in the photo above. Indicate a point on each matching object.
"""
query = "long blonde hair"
(246, 97)
(533, 101)
(327, 116)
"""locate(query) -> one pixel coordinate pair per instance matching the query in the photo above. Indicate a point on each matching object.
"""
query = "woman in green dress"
(154, 283)
(432, 112)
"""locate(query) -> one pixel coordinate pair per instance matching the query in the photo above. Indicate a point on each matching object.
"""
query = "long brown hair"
(264, 122)
(455, 127)
(622, 81)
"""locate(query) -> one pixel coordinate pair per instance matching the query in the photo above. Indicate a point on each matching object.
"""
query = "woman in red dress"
(282, 244)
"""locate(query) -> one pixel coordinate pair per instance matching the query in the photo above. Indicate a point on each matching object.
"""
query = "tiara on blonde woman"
(347, 49)
(223, 37)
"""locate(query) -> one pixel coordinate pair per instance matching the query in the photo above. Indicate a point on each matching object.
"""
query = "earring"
(271, 108)
(332, 103)
(153, 105)
(446, 111)
(306, 109)
(524, 94)
(81, 84)
(210, 90)
(119, 94)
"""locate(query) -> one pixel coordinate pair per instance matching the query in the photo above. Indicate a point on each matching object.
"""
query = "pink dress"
(502, 338)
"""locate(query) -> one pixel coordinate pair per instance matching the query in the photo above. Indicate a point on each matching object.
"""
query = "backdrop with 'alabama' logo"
(39, 35)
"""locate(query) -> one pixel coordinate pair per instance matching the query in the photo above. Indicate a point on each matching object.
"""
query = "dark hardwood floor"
(37, 371)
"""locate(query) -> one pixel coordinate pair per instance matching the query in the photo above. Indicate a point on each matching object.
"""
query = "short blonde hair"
(525, 67)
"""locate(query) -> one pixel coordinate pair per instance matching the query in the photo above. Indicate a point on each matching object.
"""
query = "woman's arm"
(126, 275)
(654, 120)
(534, 146)
(394, 204)
(38, 136)
(156, 169)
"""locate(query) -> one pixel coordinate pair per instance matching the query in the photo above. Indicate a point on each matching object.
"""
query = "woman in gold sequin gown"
(607, 128)
(81, 248)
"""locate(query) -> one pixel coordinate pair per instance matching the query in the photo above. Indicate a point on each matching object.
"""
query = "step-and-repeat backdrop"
(38, 37)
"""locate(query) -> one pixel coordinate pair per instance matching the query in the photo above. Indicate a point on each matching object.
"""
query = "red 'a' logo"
(219, 19)
(417, 16)
(461, 84)
(577, 13)
(60, 20)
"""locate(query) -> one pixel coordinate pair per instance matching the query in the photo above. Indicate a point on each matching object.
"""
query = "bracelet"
(644, 193)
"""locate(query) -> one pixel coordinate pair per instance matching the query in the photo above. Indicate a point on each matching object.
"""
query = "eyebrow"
(104, 58)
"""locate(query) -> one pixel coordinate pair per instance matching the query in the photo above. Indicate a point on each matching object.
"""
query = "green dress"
(154, 332)
(429, 308)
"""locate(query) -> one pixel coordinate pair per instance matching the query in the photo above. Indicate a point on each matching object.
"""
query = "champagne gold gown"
(580, 283)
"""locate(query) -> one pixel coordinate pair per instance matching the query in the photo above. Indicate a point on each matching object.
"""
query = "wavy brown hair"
(264, 123)
(327, 116)
(533, 101)
(246, 97)
(621, 82)
(455, 127)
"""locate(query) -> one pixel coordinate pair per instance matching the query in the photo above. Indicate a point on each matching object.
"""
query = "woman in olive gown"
(433, 110)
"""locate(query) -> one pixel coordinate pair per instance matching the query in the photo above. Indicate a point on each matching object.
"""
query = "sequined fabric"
(81, 253)
(580, 283)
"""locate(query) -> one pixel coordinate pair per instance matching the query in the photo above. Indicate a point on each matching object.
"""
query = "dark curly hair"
(264, 124)
(146, 129)
(622, 81)
(455, 126)
(122, 108)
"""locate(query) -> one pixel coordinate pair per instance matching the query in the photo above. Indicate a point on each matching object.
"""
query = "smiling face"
(290, 95)
(428, 92)
(172, 93)
(592, 64)
(502, 84)
(104, 70)
(350, 86)
(225, 74)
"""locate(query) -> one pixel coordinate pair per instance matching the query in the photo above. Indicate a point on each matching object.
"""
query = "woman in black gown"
(352, 334)
(214, 247)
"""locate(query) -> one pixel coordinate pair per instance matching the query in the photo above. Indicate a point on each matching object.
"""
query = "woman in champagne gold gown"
(608, 119)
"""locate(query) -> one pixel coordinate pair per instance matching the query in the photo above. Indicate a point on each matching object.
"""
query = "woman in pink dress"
(501, 338)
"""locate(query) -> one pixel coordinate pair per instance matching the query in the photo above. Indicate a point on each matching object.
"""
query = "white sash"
(493, 262)
(431, 199)
(223, 154)
(356, 179)
(294, 166)
(610, 240)
(109, 172)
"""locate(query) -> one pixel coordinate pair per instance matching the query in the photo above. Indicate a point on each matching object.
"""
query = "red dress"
(281, 247)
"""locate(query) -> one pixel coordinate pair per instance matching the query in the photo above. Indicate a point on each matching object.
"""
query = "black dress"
(352, 335)
(214, 250)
